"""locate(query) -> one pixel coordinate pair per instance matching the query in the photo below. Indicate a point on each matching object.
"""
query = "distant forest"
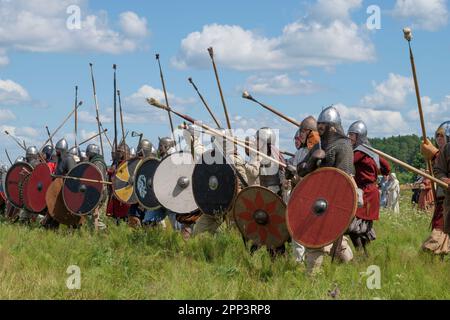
(405, 148)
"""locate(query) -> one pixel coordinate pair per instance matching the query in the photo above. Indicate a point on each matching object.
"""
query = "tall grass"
(158, 264)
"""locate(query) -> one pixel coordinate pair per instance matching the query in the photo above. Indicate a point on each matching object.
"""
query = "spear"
(76, 115)
(48, 133)
(407, 32)
(96, 107)
(204, 103)
(211, 54)
(93, 137)
(165, 95)
(60, 126)
(15, 139)
(121, 116)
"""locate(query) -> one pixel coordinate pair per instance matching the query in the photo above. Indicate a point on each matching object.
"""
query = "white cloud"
(41, 26)
(12, 92)
(304, 43)
(429, 15)
(334, 9)
(389, 94)
(6, 115)
(280, 84)
(434, 113)
(379, 122)
(132, 25)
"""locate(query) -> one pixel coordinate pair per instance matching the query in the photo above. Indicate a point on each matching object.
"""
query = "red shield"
(13, 182)
(321, 207)
(82, 197)
(260, 217)
(35, 187)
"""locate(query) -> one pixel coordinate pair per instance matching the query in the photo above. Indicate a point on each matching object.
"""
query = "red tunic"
(366, 174)
(115, 208)
(426, 198)
(52, 167)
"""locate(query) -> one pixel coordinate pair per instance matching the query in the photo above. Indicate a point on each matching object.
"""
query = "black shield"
(214, 186)
(143, 184)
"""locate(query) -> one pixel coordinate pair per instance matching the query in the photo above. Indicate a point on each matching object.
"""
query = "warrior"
(252, 163)
(48, 155)
(166, 147)
(305, 138)
(94, 157)
(75, 153)
(138, 216)
(271, 175)
(221, 149)
(115, 208)
(367, 165)
(334, 150)
(31, 157)
(438, 242)
(132, 153)
(65, 161)
(83, 156)
(194, 145)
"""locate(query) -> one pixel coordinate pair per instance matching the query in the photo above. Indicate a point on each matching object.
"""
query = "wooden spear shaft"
(408, 167)
(155, 103)
(81, 179)
(96, 107)
(248, 96)
(211, 54)
(165, 96)
(205, 104)
(60, 126)
(419, 106)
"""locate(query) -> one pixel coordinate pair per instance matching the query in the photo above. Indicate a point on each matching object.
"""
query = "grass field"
(159, 264)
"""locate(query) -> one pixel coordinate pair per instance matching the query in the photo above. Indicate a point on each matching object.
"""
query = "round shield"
(143, 184)
(123, 181)
(80, 196)
(260, 216)
(13, 181)
(321, 207)
(173, 183)
(214, 187)
(56, 207)
(35, 187)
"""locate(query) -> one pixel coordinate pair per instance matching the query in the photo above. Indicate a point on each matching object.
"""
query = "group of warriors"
(262, 194)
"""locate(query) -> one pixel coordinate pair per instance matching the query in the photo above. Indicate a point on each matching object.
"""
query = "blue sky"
(298, 56)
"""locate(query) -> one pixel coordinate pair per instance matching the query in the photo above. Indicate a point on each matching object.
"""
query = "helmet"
(444, 129)
(358, 127)
(61, 146)
(145, 148)
(92, 150)
(165, 144)
(75, 151)
(309, 123)
(83, 156)
(266, 135)
(329, 115)
(48, 152)
(20, 159)
(132, 152)
(31, 153)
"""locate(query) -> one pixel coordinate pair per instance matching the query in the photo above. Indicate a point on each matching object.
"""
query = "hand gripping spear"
(408, 36)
